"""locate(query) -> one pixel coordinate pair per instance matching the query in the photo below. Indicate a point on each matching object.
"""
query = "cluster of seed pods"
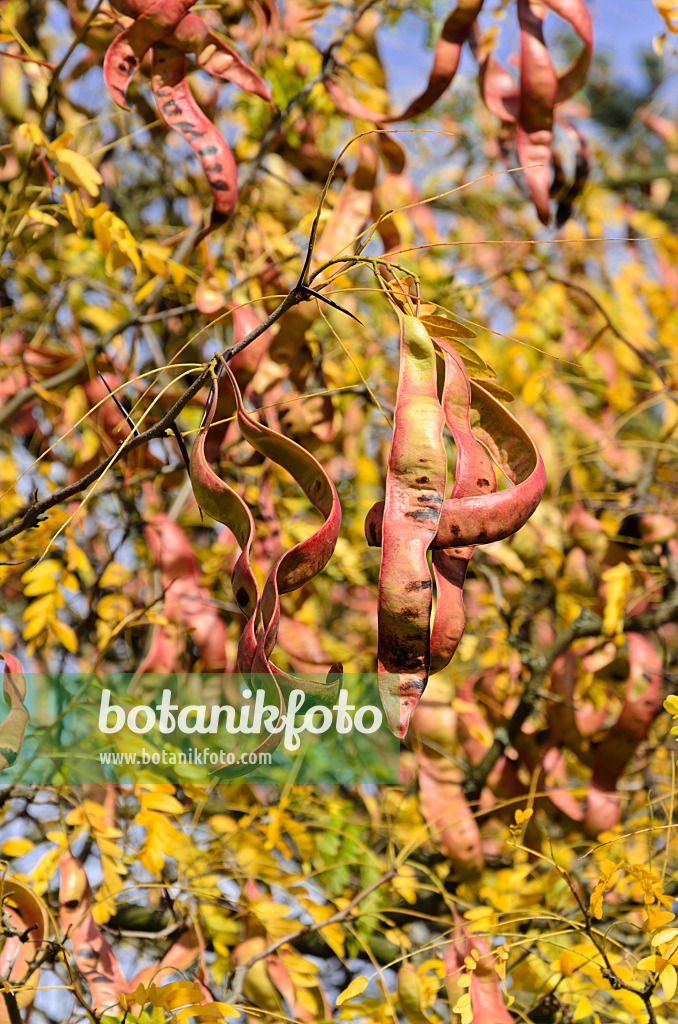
(169, 30)
(527, 107)
(292, 570)
(415, 516)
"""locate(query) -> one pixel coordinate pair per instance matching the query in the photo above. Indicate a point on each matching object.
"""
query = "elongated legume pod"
(292, 570)
(474, 474)
(170, 31)
(484, 518)
(415, 490)
(415, 516)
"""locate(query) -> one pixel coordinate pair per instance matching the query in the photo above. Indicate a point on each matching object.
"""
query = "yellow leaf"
(73, 209)
(671, 705)
(65, 635)
(619, 580)
(45, 568)
(77, 169)
(583, 1010)
(40, 217)
(668, 981)
(41, 606)
(161, 802)
(33, 134)
(46, 585)
(146, 289)
(356, 988)
(16, 847)
(35, 627)
(178, 272)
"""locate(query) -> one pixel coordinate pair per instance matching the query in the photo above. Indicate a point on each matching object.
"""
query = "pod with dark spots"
(154, 21)
(179, 109)
(415, 489)
(484, 518)
(168, 29)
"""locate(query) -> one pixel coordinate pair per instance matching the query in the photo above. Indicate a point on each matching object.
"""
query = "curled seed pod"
(27, 918)
(415, 489)
(474, 475)
(530, 107)
(151, 24)
(292, 570)
(415, 516)
(485, 518)
(220, 501)
(168, 29)
(92, 953)
(179, 109)
(305, 560)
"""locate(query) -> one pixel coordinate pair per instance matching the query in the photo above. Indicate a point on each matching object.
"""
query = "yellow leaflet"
(65, 635)
(40, 217)
(77, 169)
(356, 988)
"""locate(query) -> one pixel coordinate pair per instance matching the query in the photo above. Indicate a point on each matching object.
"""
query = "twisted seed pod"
(28, 918)
(415, 517)
(415, 490)
(92, 952)
(642, 701)
(222, 503)
(179, 109)
(487, 517)
(168, 29)
(292, 570)
(306, 559)
(152, 22)
(474, 474)
(531, 105)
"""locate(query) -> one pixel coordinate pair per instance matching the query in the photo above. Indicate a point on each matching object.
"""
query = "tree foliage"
(376, 284)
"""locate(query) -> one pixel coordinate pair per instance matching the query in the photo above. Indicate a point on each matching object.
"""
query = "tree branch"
(30, 515)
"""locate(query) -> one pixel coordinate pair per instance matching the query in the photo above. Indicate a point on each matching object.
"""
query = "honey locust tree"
(248, 215)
